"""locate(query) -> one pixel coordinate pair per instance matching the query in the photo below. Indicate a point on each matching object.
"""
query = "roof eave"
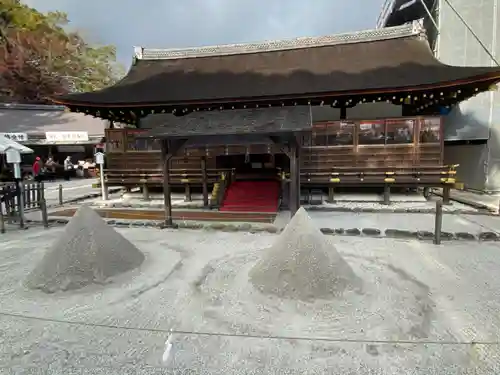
(491, 77)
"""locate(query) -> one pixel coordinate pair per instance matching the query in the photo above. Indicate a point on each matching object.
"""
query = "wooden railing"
(11, 202)
(418, 176)
(155, 176)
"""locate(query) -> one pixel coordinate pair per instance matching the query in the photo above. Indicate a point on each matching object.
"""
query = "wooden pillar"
(331, 194)
(187, 193)
(446, 195)
(298, 157)
(145, 192)
(204, 180)
(387, 194)
(343, 113)
(293, 180)
(167, 199)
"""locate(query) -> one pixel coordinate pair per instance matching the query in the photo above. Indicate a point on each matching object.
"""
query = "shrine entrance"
(253, 166)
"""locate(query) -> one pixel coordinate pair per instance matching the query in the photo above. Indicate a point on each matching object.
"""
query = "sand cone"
(88, 251)
(302, 264)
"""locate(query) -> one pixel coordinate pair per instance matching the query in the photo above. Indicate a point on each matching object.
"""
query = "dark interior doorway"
(251, 166)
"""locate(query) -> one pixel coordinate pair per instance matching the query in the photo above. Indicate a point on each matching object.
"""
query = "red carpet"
(252, 196)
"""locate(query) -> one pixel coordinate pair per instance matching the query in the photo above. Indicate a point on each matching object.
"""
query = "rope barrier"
(244, 335)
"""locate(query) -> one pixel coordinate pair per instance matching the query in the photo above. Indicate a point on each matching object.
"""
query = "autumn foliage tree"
(40, 59)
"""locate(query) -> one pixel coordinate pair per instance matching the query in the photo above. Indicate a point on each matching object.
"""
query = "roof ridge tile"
(279, 45)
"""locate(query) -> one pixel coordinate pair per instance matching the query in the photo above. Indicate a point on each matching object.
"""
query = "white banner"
(67, 137)
(18, 137)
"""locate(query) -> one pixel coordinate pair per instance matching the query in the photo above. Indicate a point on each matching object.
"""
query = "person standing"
(37, 169)
(50, 169)
(68, 168)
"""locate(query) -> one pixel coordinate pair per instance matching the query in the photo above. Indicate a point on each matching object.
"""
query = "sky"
(193, 23)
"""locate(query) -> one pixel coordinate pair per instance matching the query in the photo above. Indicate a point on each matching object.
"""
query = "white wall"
(458, 46)
(479, 117)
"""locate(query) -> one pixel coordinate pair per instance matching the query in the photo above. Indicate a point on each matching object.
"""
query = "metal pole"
(438, 224)
(430, 15)
(60, 194)
(104, 190)
(472, 32)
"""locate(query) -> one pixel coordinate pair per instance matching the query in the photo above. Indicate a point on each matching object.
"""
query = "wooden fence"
(16, 199)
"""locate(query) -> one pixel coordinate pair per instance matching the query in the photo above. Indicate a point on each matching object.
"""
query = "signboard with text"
(61, 137)
(18, 137)
(99, 158)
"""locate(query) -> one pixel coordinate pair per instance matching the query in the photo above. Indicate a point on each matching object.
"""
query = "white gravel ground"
(196, 281)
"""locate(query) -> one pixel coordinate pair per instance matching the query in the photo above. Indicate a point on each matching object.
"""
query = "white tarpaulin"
(6, 143)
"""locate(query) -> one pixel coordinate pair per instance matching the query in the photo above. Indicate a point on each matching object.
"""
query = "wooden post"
(166, 185)
(187, 194)
(145, 192)
(298, 156)
(29, 189)
(2, 219)
(8, 201)
(293, 181)
(42, 203)
(438, 223)
(446, 195)
(331, 194)
(20, 202)
(387, 194)
(45, 216)
(204, 181)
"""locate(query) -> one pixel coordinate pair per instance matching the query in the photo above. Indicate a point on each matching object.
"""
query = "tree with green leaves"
(39, 58)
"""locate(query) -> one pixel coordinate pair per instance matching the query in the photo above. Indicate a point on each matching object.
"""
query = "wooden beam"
(282, 144)
(174, 146)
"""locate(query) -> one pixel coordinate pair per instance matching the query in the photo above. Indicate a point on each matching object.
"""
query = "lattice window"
(333, 133)
(430, 130)
(372, 132)
(400, 131)
(139, 144)
(114, 141)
